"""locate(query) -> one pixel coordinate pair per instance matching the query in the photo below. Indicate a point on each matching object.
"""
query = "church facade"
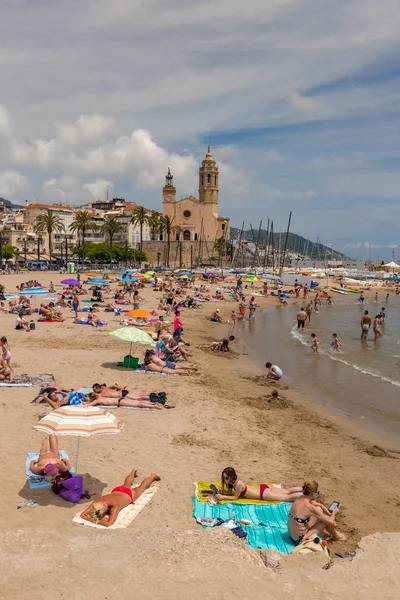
(197, 219)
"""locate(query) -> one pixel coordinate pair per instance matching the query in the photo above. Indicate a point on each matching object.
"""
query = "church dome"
(209, 157)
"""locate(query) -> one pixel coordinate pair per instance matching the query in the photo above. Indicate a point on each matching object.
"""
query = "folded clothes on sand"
(268, 522)
(38, 482)
(127, 514)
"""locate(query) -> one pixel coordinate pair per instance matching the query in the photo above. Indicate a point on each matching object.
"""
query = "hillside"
(296, 243)
(9, 204)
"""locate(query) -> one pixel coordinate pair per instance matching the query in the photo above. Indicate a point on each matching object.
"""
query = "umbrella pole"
(77, 454)
(130, 350)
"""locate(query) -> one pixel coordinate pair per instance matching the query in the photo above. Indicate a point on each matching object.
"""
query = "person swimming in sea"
(233, 489)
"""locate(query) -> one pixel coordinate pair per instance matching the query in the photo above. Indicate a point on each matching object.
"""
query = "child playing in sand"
(315, 343)
(273, 396)
(7, 356)
(336, 344)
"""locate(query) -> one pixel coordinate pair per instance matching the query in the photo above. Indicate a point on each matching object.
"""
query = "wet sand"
(222, 418)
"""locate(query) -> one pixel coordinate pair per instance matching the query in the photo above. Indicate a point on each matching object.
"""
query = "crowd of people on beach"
(168, 355)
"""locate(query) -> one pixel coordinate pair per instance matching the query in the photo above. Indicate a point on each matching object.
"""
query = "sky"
(299, 99)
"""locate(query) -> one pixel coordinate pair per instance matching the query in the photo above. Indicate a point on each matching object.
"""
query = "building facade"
(197, 218)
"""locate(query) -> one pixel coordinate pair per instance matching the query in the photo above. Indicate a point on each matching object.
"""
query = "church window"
(215, 180)
(187, 213)
(186, 234)
(208, 179)
(202, 180)
(223, 226)
(177, 237)
(195, 237)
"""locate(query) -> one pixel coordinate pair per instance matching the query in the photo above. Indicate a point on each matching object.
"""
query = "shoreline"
(222, 418)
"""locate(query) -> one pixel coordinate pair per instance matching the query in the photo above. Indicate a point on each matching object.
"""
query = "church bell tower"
(208, 180)
(169, 191)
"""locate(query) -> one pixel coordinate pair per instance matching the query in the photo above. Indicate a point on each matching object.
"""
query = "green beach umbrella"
(133, 335)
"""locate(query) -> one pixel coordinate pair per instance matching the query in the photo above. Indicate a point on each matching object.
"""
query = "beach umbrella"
(70, 282)
(139, 312)
(252, 278)
(149, 273)
(183, 277)
(133, 335)
(34, 291)
(107, 271)
(81, 421)
(209, 274)
(98, 281)
(229, 279)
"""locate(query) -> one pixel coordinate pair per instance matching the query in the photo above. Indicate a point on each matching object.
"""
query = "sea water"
(362, 382)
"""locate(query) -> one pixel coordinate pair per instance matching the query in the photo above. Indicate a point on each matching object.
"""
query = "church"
(197, 218)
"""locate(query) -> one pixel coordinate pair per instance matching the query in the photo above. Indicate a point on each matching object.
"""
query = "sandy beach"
(221, 418)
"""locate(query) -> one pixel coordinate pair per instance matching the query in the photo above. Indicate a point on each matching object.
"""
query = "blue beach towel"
(38, 482)
(268, 527)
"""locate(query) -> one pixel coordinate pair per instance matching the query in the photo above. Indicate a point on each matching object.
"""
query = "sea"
(361, 383)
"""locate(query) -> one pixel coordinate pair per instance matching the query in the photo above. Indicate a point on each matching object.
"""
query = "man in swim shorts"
(104, 511)
(301, 318)
(120, 392)
(365, 325)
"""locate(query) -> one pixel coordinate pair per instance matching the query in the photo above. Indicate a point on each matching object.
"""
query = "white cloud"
(272, 157)
(12, 184)
(5, 122)
(98, 189)
(304, 103)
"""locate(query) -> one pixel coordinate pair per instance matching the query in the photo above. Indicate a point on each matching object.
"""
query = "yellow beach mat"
(201, 486)
(127, 514)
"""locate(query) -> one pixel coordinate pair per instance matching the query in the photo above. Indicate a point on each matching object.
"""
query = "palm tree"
(154, 221)
(49, 222)
(167, 227)
(140, 217)
(110, 227)
(81, 224)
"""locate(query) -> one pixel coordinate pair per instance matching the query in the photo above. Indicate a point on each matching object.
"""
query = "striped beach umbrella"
(98, 281)
(81, 421)
(34, 291)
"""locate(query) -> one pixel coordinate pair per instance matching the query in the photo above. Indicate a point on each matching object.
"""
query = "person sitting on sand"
(5, 372)
(233, 489)
(215, 316)
(156, 360)
(273, 396)
(274, 372)
(308, 517)
(176, 349)
(49, 456)
(104, 511)
(21, 322)
(92, 318)
(148, 365)
(94, 399)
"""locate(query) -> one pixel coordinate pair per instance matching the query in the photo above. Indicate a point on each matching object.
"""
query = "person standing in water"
(377, 331)
(361, 298)
(315, 343)
(365, 325)
(336, 344)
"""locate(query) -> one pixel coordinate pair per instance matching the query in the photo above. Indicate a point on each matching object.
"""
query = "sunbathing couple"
(157, 365)
(115, 395)
(49, 312)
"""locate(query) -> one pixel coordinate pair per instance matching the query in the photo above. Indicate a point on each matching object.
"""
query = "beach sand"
(222, 418)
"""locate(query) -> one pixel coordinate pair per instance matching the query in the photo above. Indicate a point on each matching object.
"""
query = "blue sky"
(300, 99)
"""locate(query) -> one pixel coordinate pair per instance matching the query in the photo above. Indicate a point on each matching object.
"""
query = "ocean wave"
(365, 370)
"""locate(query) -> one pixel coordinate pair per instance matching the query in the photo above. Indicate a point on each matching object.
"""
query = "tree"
(81, 224)
(10, 252)
(49, 222)
(140, 217)
(155, 223)
(99, 252)
(167, 227)
(110, 227)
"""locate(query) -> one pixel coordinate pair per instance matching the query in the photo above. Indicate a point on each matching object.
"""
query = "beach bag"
(314, 544)
(72, 489)
(32, 325)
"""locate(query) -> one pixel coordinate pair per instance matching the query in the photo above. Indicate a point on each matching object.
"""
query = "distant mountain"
(296, 244)
(9, 204)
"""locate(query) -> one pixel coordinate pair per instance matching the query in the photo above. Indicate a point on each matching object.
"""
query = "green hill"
(296, 244)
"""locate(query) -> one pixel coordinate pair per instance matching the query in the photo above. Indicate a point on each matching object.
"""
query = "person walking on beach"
(75, 304)
(376, 329)
(365, 325)
(301, 318)
(315, 343)
(336, 344)
(178, 330)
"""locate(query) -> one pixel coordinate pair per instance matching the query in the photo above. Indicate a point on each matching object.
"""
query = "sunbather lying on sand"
(57, 398)
(105, 510)
(150, 366)
(118, 391)
(95, 400)
(49, 456)
(233, 489)
(308, 517)
(167, 363)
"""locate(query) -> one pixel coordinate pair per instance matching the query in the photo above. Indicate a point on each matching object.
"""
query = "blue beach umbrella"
(98, 281)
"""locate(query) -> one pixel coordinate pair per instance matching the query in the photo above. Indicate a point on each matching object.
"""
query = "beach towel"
(51, 320)
(42, 380)
(127, 514)
(205, 485)
(268, 528)
(5, 384)
(98, 324)
(38, 482)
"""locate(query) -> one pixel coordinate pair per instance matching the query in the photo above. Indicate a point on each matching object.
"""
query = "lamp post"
(39, 241)
(1, 247)
(158, 258)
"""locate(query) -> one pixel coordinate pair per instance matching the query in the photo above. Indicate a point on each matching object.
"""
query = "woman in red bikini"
(233, 489)
(105, 510)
